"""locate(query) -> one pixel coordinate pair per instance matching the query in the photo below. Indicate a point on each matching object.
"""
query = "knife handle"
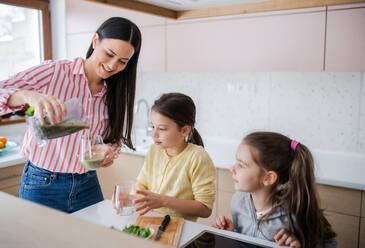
(164, 223)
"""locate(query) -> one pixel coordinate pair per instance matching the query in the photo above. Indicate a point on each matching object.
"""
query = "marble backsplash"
(323, 110)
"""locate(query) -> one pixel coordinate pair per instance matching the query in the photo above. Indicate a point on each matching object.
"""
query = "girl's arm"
(186, 207)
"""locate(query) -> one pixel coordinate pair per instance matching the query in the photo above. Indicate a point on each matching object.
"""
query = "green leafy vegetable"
(29, 112)
(137, 230)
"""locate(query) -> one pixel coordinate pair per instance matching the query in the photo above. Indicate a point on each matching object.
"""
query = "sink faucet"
(136, 110)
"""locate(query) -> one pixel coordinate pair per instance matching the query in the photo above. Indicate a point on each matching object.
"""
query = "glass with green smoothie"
(92, 152)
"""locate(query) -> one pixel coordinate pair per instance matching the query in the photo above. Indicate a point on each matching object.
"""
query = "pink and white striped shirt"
(65, 80)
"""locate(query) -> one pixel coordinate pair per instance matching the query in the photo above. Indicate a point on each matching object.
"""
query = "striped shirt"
(65, 80)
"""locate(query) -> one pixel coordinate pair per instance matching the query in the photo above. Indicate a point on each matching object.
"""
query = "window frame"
(43, 6)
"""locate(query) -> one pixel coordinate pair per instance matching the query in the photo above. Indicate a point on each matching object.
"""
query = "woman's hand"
(43, 103)
(222, 222)
(107, 153)
(148, 201)
(284, 237)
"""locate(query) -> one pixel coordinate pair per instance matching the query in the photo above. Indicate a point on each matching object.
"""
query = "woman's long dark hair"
(181, 109)
(121, 87)
(295, 190)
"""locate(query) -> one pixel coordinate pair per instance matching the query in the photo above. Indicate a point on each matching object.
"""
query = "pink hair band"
(293, 145)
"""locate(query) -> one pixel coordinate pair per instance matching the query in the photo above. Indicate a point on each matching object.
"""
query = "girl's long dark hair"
(295, 190)
(181, 109)
(121, 87)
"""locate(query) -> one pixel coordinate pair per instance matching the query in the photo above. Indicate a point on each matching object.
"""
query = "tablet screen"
(214, 240)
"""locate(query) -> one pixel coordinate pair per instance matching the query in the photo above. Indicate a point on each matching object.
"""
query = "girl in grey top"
(276, 197)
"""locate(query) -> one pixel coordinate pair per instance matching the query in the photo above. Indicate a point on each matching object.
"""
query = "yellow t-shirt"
(190, 175)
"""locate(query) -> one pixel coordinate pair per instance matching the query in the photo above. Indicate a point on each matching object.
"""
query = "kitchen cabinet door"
(225, 181)
(152, 56)
(125, 167)
(10, 179)
(224, 203)
(278, 42)
(87, 16)
(346, 227)
(362, 233)
(345, 42)
(363, 204)
(340, 200)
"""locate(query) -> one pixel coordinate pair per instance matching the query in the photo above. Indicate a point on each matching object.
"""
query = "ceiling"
(190, 9)
(179, 5)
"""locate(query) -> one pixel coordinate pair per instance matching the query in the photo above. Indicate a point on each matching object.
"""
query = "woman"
(105, 85)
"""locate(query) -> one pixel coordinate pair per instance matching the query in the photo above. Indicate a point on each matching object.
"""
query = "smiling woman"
(110, 56)
(104, 84)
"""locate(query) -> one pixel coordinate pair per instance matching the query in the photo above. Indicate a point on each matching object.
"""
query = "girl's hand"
(43, 103)
(284, 237)
(222, 222)
(149, 201)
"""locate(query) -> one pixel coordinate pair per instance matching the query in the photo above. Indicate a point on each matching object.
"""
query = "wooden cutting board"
(172, 233)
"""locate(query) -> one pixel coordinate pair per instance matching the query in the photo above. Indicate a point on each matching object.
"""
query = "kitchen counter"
(103, 214)
(11, 159)
(14, 133)
(26, 224)
(332, 168)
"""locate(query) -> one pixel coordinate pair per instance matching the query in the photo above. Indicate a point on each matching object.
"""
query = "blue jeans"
(67, 192)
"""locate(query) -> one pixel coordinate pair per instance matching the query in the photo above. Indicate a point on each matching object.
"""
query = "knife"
(163, 226)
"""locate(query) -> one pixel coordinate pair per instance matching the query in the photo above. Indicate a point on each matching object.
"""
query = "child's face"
(247, 175)
(165, 132)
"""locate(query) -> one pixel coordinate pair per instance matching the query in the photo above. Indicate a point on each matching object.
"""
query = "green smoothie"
(96, 161)
(63, 128)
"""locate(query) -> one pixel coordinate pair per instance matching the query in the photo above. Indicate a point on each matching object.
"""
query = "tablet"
(217, 240)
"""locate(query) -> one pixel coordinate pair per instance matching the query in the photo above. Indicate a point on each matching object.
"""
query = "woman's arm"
(25, 86)
(152, 200)
(54, 107)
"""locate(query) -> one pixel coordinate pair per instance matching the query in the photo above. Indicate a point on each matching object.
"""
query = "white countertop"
(103, 214)
(27, 224)
(11, 159)
(332, 168)
(15, 134)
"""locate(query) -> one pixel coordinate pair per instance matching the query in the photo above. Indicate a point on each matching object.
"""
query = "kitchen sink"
(141, 141)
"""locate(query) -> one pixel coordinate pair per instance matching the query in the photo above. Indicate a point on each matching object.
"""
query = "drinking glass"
(123, 196)
(92, 152)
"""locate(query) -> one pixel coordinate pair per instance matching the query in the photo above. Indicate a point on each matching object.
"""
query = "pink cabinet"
(84, 16)
(345, 47)
(152, 56)
(284, 42)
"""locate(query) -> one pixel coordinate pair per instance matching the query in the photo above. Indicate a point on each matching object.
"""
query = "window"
(24, 40)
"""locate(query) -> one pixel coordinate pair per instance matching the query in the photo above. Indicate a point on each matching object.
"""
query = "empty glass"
(123, 197)
(92, 152)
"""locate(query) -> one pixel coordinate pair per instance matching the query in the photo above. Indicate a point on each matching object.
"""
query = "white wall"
(58, 27)
(323, 109)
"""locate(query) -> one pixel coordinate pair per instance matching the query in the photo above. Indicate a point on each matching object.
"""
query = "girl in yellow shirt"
(178, 176)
